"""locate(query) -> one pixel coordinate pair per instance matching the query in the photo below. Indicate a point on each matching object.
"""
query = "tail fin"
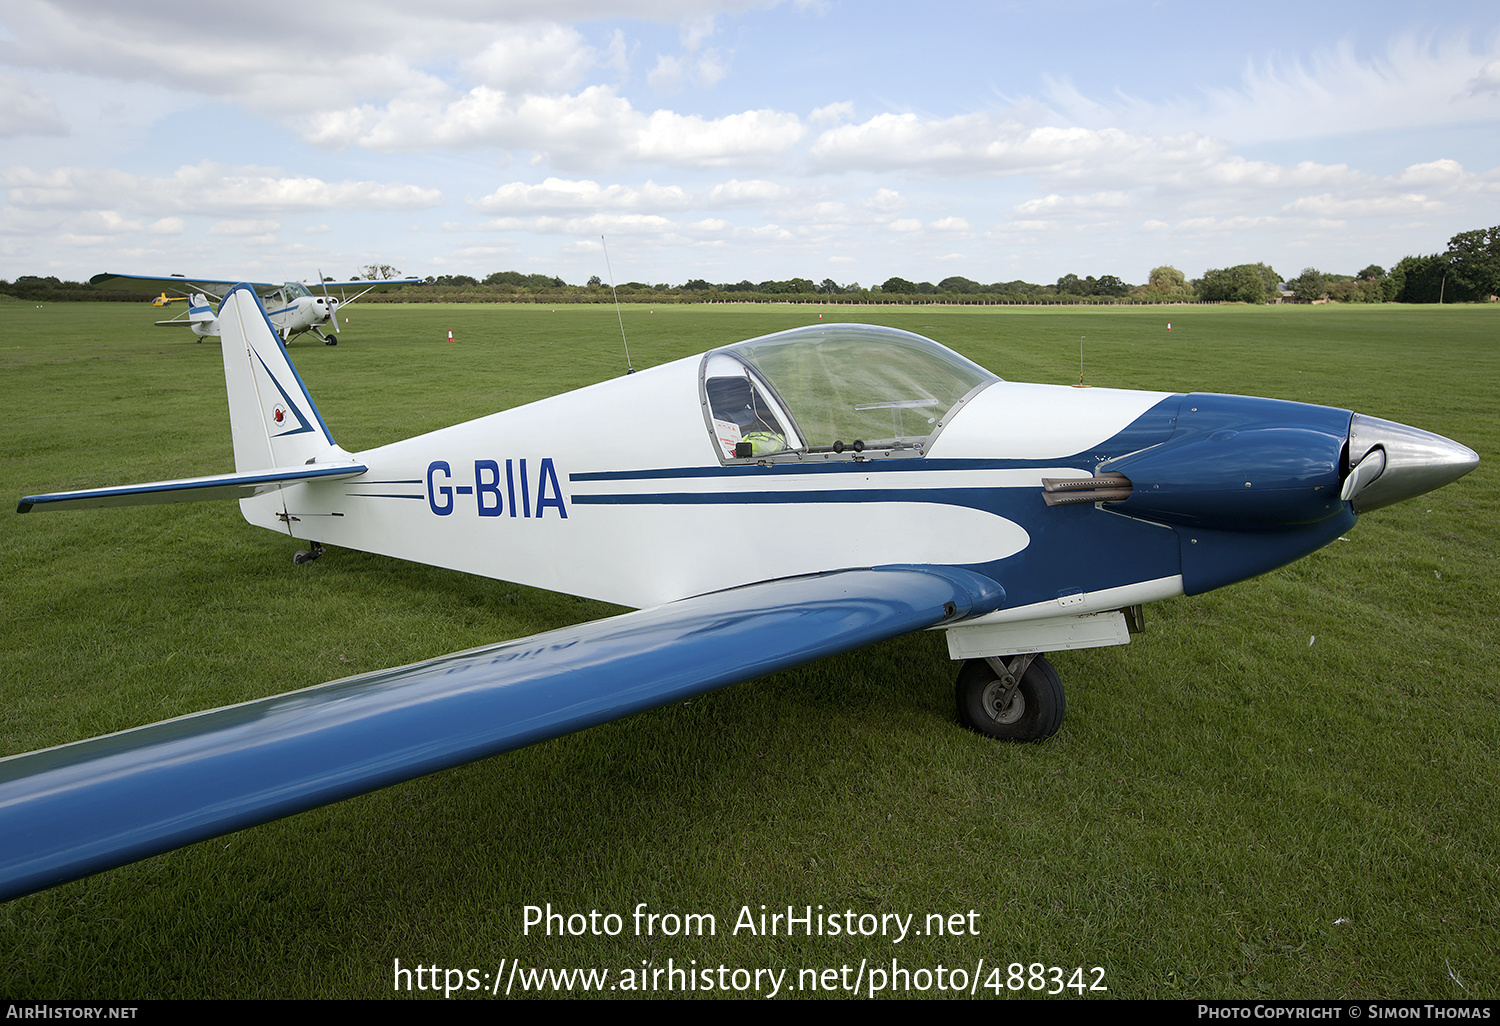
(277, 431)
(201, 315)
(271, 416)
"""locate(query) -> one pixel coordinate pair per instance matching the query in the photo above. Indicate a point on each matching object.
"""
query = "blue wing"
(81, 808)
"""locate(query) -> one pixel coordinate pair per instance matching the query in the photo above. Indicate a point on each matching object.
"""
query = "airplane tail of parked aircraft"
(272, 418)
(201, 316)
(279, 437)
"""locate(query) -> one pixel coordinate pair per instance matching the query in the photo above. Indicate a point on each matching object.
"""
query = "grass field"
(1287, 788)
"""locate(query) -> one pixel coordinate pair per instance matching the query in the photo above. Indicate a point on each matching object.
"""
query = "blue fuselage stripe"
(976, 498)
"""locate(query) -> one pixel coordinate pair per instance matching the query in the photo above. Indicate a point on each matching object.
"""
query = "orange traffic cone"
(450, 335)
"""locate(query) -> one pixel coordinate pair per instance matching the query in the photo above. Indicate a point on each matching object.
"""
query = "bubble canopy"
(832, 389)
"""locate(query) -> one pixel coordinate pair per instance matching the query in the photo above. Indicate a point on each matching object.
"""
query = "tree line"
(1467, 271)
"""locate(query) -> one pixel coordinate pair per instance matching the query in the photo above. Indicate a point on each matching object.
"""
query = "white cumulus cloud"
(204, 188)
(560, 194)
(747, 193)
(594, 128)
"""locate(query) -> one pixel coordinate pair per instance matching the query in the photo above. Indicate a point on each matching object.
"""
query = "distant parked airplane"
(291, 306)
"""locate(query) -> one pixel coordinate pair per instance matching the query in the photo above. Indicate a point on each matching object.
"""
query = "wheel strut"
(1010, 674)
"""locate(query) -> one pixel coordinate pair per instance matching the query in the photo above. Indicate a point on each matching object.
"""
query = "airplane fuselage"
(642, 506)
(292, 309)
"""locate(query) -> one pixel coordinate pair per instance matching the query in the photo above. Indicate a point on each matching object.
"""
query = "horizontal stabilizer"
(192, 489)
(81, 808)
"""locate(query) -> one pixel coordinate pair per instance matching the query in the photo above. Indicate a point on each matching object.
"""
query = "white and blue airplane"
(292, 307)
(765, 504)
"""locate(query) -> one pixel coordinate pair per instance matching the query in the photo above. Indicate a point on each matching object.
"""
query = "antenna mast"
(628, 368)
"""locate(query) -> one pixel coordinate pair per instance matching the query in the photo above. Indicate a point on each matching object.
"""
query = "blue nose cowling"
(1239, 463)
(1252, 484)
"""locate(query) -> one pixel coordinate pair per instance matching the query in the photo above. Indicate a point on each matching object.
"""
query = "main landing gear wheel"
(1028, 709)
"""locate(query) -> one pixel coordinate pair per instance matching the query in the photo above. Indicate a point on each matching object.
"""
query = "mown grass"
(1285, 788)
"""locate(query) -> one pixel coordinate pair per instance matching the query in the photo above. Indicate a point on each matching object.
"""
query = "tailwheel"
(1019, 698)
(307, 555)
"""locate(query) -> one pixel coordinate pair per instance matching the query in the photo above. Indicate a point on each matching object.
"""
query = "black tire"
(1035, 710)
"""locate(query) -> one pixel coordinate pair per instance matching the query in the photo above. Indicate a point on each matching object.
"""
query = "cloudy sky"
(727, 139)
